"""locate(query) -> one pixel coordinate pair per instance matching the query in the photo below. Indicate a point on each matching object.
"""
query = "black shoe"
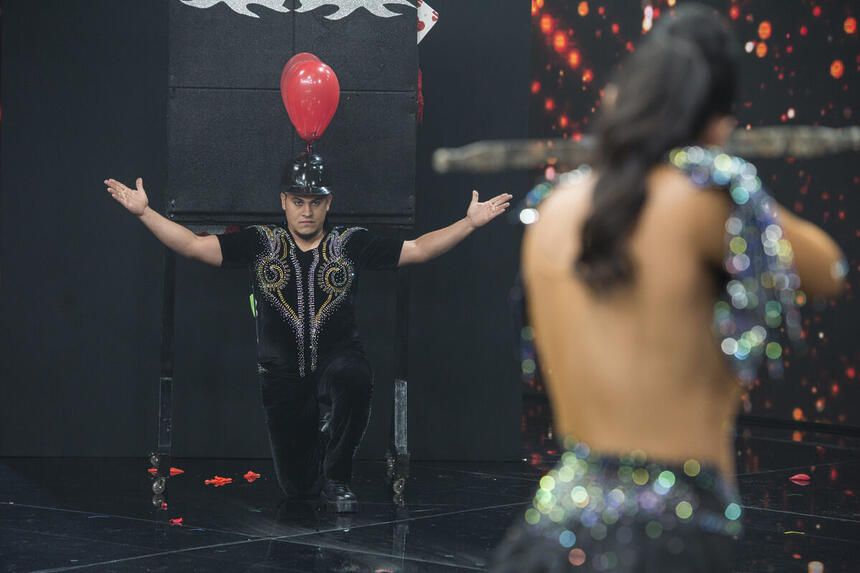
(339, 497)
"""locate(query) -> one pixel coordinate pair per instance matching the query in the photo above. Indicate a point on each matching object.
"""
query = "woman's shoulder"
(551, 241)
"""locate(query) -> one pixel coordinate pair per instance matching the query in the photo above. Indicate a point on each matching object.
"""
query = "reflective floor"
(69, 514)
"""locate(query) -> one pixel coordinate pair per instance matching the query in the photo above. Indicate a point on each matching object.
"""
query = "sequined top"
(758, 305)
(305, 299)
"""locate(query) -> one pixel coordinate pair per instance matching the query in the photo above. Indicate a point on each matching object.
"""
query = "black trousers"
(303, 454)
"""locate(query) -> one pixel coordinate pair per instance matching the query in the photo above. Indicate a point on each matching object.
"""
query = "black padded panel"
(227, 149)
(229, 135)
(366, 52)
(216, 47)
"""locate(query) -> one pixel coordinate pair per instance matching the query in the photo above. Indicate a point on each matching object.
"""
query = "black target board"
(230, 136)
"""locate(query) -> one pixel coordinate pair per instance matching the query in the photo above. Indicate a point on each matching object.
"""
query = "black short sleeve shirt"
(305, 299)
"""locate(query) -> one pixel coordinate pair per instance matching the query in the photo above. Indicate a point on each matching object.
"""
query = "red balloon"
(291, 64)
(312, 94)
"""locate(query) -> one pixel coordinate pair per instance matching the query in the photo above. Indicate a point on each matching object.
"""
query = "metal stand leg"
(400, 534)
(397, 456)
(160, 457)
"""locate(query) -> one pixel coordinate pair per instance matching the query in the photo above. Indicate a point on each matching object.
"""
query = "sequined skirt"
(624, 514)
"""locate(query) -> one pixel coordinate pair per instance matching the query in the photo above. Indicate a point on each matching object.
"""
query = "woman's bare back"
(639, 368)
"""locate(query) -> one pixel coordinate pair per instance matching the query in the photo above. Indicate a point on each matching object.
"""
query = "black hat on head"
(305, 175)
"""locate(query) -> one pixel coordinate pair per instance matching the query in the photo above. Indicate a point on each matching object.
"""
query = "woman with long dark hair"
(622, 272)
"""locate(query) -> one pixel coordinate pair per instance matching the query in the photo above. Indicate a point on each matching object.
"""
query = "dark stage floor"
(68, 514)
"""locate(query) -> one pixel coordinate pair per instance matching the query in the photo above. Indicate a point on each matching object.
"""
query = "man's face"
(305, 213)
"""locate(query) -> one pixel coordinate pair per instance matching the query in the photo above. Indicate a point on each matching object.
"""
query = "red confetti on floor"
(251, 476)
(218, 481)
(800, 479)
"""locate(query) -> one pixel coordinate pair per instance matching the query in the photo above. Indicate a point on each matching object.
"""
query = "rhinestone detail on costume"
(330, 268)
(273, 276)
(335, 278)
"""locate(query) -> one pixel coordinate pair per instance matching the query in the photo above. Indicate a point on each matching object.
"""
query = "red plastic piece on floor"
(177, 521)
(218, 481)
(251, 476)
(800, 479)
(176, 471)
(153, 471)
(164, 505)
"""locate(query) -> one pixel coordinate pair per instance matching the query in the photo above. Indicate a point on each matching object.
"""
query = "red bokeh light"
(582, 9)
(573, 58)
(546, 24)
(764, 30)
(734, 12)
(549, 104)
(804, 30)
(761, 49)
(535, 87)
(837, 68)
(816, 11)
(587, 76)
(850, 25)
(559, 41)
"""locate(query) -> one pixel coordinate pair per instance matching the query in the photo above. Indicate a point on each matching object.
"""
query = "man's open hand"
(479, 214)
(135, 200)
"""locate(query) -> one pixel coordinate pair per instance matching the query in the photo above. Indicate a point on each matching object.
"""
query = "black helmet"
(305, 175)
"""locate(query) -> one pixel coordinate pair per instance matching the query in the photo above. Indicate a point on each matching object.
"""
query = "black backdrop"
(84, 98)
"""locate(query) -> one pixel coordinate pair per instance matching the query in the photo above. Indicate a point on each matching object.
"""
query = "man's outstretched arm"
(173, 235)
(429, 246)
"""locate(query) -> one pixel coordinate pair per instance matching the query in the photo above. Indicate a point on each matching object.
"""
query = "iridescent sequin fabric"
(599, 513)
(758, 311)
(759, 304)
